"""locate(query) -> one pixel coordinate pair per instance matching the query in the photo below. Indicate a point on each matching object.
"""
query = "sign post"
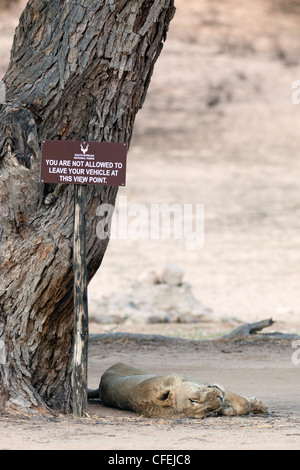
(81, 164)
(80, 355)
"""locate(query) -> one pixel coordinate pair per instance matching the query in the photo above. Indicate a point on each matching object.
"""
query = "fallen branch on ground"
(249, 328)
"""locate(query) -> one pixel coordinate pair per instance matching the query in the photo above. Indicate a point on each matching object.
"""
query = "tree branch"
(249, 329)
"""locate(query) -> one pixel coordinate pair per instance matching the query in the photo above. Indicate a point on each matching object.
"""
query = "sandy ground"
(265, 371)
(218, 128)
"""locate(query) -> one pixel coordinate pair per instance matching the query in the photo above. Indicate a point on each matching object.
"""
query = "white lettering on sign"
(80, 171)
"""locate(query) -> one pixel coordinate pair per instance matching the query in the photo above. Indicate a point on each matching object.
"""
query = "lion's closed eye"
(165, 396)
(192, 400)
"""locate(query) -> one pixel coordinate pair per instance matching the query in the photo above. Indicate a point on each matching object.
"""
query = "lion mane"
(169, 395)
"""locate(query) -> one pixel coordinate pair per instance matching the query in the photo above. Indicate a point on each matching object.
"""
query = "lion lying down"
(169, 396)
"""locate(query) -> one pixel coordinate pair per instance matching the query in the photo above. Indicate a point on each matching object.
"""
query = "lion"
(169, 395)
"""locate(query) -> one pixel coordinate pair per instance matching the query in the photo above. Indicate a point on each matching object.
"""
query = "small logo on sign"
(84, 149)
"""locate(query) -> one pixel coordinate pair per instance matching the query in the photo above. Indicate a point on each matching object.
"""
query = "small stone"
(150, 277)
(172, 275)
(158, 319)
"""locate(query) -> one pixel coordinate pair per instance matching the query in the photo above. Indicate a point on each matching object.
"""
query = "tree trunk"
(79, 70)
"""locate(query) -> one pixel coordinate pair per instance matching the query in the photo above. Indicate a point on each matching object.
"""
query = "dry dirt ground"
(264, 370)
(218, 128)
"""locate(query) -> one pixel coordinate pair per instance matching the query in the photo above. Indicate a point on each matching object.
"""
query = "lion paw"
(257, 406)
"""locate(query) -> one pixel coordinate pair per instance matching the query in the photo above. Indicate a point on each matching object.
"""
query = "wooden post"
(80, 305)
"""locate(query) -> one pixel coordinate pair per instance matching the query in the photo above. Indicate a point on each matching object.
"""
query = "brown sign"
(72, 162)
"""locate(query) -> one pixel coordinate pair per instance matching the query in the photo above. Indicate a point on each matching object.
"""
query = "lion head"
(172, 395)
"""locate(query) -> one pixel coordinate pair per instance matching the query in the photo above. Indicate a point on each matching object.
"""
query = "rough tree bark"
(79, 70)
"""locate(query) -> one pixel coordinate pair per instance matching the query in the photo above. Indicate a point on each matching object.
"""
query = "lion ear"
(163, 398)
